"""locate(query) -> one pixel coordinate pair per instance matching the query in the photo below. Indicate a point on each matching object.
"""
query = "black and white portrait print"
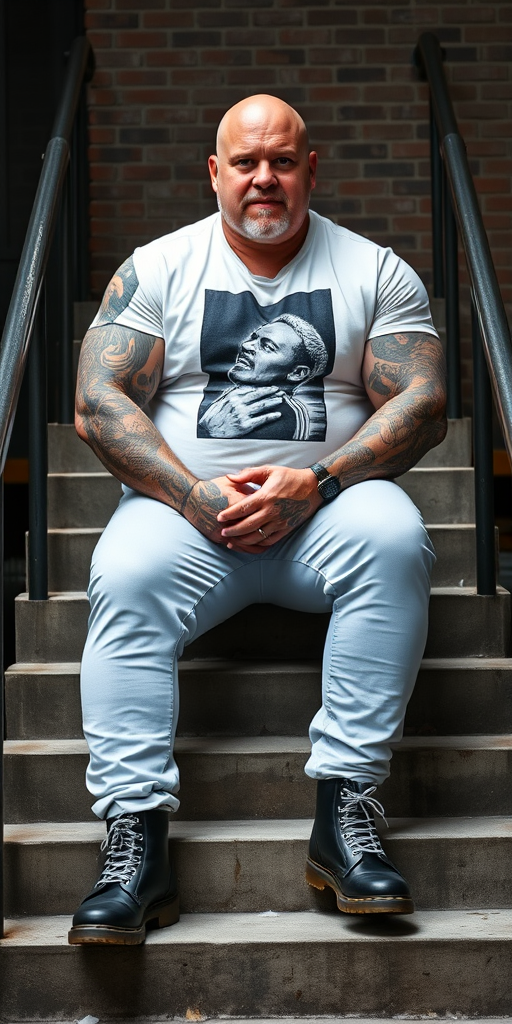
(266, 366)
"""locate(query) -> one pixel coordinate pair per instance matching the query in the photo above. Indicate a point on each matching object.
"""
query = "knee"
(388, 525)
(131, 573)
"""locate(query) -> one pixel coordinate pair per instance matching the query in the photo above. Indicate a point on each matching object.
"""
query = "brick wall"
(168, 69)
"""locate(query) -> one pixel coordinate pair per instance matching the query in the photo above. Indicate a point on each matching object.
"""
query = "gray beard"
(265, 226)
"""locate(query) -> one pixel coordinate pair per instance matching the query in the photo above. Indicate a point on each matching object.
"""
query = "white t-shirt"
(229, 333)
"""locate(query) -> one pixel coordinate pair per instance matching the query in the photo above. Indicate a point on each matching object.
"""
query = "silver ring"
(263, 534)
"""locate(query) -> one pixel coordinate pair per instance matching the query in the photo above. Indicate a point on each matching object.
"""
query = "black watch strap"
(328, 486)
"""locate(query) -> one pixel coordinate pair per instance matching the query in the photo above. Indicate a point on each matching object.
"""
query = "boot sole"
(160, 915)
(319, 877)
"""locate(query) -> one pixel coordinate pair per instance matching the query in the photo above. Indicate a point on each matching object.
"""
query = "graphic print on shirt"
(266, 366)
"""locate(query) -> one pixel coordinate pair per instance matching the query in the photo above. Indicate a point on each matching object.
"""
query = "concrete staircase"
(254, 939)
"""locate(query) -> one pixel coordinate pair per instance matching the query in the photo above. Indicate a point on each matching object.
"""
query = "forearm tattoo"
(203, 504)
(118, 374)
(409, 371)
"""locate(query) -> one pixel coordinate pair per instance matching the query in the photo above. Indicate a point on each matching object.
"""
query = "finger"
(237, 545)
(254, 474)
(260, 395)
(250, 524)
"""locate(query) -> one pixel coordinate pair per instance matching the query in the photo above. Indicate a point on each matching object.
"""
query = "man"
(208, 525)
(271, 366)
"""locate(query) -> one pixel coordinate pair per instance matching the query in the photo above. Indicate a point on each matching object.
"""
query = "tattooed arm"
(118, 374)
(404, 377)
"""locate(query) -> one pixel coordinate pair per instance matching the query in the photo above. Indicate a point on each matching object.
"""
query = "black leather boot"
(137, 885)
(345, 851)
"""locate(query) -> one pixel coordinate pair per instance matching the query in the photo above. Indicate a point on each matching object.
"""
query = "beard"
(265, 226)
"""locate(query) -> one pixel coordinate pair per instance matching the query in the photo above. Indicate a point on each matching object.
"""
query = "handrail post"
(2, 712)
(484, 484)
(436, 178)
(38, 460)
(451, 268)
(65, 353)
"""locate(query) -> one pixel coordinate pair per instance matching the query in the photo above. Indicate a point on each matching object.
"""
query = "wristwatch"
(328, 486)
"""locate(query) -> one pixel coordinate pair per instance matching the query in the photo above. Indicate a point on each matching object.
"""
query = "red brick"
(258, 77)
(410, 149)
(110, 20)
(171, 115)
(496, 91)
(499, 186)
(145, 172)
(268, 17)
(467, 13)
(498, 203)
(304, 36)
(332, 17)
(102, 172)
(397, 206)
(141, 76)
(102, 97)
(292, 75)
(336, 55)
(150, 96)
(280, 57)
(226, 58)
(387, 130)
(171, 58)
(100, 40)
(384, 93)
(101, 135)
(364, 188)
(335, 93)
(141, 40)
(196, 76)
(168, 19)
(488, 34)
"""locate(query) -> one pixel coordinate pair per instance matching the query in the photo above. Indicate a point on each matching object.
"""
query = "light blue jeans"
(156, 583)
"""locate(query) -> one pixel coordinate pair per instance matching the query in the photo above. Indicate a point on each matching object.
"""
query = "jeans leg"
(151, 574)
(374, 558)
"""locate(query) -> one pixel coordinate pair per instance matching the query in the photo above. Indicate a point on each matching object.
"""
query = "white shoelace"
(124, 846)
(356, 820)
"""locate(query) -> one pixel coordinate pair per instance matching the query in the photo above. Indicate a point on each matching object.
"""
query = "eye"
(283, 161)
(244, 162)
(268, 345)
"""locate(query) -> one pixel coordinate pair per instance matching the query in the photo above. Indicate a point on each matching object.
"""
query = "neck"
(265, 259)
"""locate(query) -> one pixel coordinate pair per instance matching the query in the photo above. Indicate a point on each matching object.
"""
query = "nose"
(249, 345)
(264, 176)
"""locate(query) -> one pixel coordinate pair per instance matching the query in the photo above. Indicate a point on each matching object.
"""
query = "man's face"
(263, 174)
(270, 356)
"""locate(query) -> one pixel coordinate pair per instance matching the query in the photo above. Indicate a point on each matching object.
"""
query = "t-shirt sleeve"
(134, 295)
(402, 300)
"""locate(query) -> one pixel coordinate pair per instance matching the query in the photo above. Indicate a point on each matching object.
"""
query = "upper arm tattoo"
(119, 357)
(118, 293)
(403, 362)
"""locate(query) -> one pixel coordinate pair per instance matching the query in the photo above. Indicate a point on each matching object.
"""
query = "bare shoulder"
(394, 363)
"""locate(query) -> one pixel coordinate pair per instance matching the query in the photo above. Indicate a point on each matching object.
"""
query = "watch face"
(329, 488)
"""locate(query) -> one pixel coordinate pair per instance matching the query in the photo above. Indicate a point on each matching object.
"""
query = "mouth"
(244, 361)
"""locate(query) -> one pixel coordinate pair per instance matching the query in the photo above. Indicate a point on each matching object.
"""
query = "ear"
(213, 168)
(298, 374)
(313, 162)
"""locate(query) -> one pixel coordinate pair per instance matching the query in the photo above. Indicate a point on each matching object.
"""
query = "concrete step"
(81, 499)
(462, 624)
(90, 499)
(455, 450)
(68, 454)
(435, 963)
(263, 777)
(70, 551)
(251, 866)
(442, 495)
(452, 696)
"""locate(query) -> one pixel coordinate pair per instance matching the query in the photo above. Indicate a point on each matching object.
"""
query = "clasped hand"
(231, 512)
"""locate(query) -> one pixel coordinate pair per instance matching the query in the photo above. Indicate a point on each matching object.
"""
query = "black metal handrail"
(454, 200)
(25, 329)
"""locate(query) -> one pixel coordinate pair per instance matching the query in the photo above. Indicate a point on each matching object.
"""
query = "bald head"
(261, 112)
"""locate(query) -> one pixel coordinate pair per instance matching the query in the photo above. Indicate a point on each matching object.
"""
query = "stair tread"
(263, 744)
(68, 595)
(287, 927)
(265, 830)
(258, 667)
